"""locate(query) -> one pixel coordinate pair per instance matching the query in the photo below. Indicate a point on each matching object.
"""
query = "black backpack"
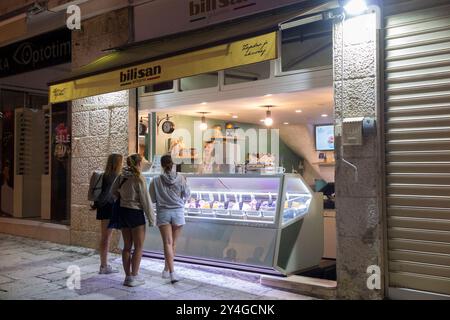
(105, 195)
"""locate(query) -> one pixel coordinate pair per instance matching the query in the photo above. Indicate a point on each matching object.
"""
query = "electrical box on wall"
(352, 131)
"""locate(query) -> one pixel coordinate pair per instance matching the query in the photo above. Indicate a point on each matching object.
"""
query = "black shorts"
(105, 212)
(131, 218)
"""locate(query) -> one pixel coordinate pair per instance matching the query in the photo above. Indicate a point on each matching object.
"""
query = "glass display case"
(250, 222)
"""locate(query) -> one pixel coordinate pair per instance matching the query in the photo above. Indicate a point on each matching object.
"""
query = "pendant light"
(203, 124)
(268, 121)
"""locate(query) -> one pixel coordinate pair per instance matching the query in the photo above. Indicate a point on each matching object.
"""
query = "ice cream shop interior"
(257, 150)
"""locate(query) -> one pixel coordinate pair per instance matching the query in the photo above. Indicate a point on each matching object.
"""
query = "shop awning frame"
(104, 74)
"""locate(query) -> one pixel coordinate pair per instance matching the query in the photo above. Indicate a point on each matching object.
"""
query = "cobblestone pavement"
(32, 269)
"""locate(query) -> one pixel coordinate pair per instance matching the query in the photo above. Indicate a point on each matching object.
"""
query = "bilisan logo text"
(204, 6)
(140, 74)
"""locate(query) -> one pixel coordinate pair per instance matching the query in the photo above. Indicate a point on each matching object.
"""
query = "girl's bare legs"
(126, 251)
(104, 243)
(138, 235)
(176, 231)
(166, 235)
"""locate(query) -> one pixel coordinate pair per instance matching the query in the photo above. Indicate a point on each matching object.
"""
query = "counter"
(269, 223)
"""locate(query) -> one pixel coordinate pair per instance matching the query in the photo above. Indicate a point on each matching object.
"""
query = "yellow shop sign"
(248, 51)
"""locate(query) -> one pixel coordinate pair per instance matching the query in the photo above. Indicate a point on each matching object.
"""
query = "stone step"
(320, 288)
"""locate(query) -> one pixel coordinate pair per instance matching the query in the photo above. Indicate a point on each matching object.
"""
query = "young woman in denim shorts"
(169, 191)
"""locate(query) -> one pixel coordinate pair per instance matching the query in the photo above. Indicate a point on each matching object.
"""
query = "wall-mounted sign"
(187, 15)
(35, 53)
(62, 142)
(243, 52)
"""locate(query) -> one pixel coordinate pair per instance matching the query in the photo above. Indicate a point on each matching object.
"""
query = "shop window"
(157, 87)
(248, 73)
(201, 81)
(306, 46)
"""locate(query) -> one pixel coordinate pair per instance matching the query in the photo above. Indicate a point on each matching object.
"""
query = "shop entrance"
(257, 137)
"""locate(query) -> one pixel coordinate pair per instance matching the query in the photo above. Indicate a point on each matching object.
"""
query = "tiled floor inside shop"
(32, 269)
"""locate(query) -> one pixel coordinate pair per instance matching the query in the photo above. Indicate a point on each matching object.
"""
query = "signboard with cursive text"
(42, 51)
(230, 55)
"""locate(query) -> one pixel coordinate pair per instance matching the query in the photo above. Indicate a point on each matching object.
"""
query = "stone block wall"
(101, 124)
(103, 32)
(358, 197)
(100, 127)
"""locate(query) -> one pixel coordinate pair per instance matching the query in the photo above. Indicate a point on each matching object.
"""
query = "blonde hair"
(114, 164)
(133, 162)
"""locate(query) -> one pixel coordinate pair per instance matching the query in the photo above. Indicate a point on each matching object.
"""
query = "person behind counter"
(133, 201)
(169, 191)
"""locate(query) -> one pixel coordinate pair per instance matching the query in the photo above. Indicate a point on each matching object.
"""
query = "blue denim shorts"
(170, 216)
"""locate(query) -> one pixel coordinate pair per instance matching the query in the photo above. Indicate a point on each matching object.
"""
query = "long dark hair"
(114, 164)
(166, 163)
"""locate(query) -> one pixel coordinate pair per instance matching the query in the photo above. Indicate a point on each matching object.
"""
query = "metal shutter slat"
(420, 190)
(421, 257)
(419, 234)
(420, 282)
(419, 245)
(418, 201)
(420, 268)
(419, 223)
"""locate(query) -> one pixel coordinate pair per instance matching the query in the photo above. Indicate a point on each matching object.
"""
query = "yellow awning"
(247, 51)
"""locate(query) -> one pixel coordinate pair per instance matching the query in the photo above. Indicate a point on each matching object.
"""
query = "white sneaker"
(135, 281)
(165, 274)
(174, 277)
(127, 281)
(107, 270)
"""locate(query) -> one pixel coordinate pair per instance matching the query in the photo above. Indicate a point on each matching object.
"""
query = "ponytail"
(133, 162)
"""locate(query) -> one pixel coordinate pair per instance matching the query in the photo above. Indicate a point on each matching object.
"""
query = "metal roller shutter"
(417, 133)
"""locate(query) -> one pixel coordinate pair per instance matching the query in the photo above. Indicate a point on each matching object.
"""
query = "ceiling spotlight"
(324, 115)
(298, 111)
(234, 116)
(204, 103)
(355, 7)
(268, 121)
(285, 122)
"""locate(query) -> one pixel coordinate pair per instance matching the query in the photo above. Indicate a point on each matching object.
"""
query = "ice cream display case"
(266, 223)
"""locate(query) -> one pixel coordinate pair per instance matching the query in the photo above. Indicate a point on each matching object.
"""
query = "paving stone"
(32, 272)
(33, 269)
(4, 279)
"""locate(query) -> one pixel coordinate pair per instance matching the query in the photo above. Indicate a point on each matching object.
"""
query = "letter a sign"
(73, 21)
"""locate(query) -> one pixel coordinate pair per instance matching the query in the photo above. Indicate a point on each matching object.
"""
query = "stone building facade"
(107, 123)
(101, 124)
(358, 193)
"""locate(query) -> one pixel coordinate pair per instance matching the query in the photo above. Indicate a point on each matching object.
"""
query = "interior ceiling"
(312, 103)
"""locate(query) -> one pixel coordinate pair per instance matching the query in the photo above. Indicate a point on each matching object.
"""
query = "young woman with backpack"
(103, 202)
(133, 204)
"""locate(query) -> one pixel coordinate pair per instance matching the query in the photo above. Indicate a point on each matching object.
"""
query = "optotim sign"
(36, 53)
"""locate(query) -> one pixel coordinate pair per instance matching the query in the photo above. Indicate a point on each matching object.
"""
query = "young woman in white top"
(133, 205)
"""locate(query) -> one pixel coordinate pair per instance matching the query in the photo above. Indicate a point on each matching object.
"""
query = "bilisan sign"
(185, 15)
(200, 9)
(36, 53)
